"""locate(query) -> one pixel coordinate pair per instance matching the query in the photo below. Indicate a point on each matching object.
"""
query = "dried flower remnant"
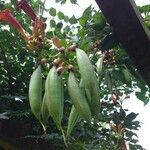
(123, 144)
(114, 97)
(56, 41)
(6, 15)
(72, 48)
(23, 4)
(60, 70)
(38, 34)
(119, 129)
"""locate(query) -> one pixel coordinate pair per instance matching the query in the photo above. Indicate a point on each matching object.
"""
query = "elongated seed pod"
(89, 79)
(45, 112)
(81, 85)
(85, 91)
(73, 118)
(108, 80)
(127, 76)
(74, 115)
(100, 69)
(62, 97)
(99, 66)
(95, 103)
(79, 101)
(35, 92)
(54, 96)
(86, 69)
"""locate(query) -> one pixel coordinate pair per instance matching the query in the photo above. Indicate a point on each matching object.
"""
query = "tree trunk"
(128, 25)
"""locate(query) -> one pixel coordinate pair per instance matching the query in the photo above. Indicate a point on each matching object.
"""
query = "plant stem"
(44, 128)
(42, 11)
(117, 144)
(64, 137)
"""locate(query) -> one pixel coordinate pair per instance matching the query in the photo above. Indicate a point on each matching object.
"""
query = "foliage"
(118, 80)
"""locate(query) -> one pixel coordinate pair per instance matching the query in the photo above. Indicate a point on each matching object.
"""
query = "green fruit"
(54, 96)
(108, 80)
(73, 118)
(90, 81)
(86, 69)
(100, 69)
(99, 66)
(45, 112)
(35, 92)
(127, 76)
(78, 98)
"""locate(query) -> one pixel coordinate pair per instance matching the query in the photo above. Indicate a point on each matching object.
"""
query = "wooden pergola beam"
(126, 21)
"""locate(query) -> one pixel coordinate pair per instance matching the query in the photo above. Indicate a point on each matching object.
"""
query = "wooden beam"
(128, 25)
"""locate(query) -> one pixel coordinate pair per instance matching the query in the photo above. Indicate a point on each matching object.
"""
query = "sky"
(76, 10)
(142, 2)
(132, 104)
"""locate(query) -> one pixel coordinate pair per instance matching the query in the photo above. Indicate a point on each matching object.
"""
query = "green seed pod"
(81, 85)
(79, 101)
(90, 81)
(100, 69)
(74, 115)
(99, 66)
(73, 118)
(108, 80)
(54, 96)
(95, 101)
(35, 92)
(127, 76)
(86, 69)
(45, 112)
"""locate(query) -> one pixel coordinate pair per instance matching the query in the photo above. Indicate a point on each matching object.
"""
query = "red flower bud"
(6, 15)
(23, 4)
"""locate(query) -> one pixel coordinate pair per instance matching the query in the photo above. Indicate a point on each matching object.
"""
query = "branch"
(128, 24)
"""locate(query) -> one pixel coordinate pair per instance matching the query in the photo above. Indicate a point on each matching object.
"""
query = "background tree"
(117, 78)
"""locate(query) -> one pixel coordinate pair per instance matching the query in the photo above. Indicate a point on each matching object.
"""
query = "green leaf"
(63, 1)
(64, 42)
(73, 20)
(66, 19)
(59, 25)
(130, 117)
(52, 11)
(60, 15)
(73, 1)
(57, 1)
(67, 29)
(83, 21)
(141, 96)
(86, 15)
(147, 23)
(49, 34)
(87, 11)
(52, 23)
(98, 18)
